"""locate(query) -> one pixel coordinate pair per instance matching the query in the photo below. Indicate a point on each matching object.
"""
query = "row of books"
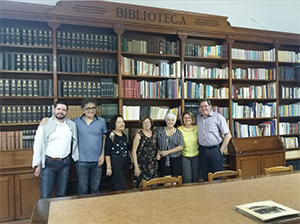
(130, 66)
(266, 128)
(104, 88)
(25, 36)
(25, 113)
(286, 128)
(162, 46)
(254, 110)
(288, 56)
(194, 108)
(267, 91)
(290, 142)
(292, 154)
(68, 63)
(243, 54)
(107, 111)
(25, 62)
(289, 110)
(295, 163)
(170, 88)
(154, 112)
(194, 71)
(10, 140)
(196, 50)
(290, 92)
(254, 73)
(289, 73)
(86, 41)
(200, 90)
(26, 87)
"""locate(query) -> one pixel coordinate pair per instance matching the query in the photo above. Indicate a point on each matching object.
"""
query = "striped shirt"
(211, 129)
(166, 142)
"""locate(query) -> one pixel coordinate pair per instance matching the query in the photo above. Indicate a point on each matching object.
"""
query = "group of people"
(168, 151)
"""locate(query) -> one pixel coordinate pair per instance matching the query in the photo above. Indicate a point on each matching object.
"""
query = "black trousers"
(119, 167)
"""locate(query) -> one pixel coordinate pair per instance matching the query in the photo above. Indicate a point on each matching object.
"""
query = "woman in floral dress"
(144, 151)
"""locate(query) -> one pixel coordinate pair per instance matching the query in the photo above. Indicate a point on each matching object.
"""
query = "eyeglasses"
(90, 108)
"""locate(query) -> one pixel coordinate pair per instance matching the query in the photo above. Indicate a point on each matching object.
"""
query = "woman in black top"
(116, 153)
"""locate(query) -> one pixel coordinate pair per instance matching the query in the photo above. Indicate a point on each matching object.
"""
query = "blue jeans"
(55, 172)
(89, 177)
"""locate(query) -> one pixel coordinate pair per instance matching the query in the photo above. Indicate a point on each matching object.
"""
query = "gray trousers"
(190, 169)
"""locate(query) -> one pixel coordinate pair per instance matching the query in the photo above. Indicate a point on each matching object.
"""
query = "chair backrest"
(162, 180)
(279, 169)
(225, 173)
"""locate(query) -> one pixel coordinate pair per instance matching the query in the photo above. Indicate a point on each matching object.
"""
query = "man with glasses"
(91, 139)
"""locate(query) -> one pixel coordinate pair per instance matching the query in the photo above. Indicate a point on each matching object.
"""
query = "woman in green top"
(190, 158)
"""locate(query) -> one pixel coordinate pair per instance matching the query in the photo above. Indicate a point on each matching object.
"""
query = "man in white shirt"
(54, 143)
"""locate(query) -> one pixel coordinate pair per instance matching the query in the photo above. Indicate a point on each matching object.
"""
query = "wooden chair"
(279, 169)
(162, 180)
(225, 173)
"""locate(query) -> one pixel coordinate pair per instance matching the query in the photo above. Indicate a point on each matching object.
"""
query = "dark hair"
(87, 100)
(145, 118)
(61, 102)
(113, 120)
(191, 115)
(205, 100)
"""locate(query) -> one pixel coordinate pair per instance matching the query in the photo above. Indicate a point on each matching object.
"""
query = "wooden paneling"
(27, 193)
(15, 158)
(250, 165)
(272, 160)
(7, 212)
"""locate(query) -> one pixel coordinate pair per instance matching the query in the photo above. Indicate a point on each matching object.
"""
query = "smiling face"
(187, 119)
(146, 124)
(90, 110)
(205, 108)
(170, 122)
(60, 111)
(120, 124)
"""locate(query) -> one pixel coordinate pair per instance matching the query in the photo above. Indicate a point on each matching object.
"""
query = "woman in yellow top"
(190, 158)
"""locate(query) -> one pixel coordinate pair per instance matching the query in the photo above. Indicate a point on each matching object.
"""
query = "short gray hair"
(170, 115)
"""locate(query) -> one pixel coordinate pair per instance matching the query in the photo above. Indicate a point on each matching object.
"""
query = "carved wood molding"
(230, 40)
(277, 45)
(54, 24)
(182, 37)
(118, 29)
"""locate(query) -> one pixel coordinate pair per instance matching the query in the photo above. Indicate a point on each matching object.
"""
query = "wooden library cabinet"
(253, 155)
(135, 59)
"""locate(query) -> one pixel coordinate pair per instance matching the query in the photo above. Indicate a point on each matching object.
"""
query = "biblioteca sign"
(150, 16)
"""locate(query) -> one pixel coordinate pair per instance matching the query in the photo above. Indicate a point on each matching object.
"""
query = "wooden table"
(200, 203)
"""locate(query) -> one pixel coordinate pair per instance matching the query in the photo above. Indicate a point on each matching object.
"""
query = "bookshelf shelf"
(253, 80)
(253, 99)
(20, 46)
(283, 117)
(251, 62)
(26, 98)
(81, 50)
(287, 135)
(219, 80)
(151, 56)
(211, 99)
(18, 124)
(148, 99)
(289, 81)
(291, 149)
(148, 77)
(292, 158)
(25, 72)
(256, 118)
(86, 74)
(205, 59)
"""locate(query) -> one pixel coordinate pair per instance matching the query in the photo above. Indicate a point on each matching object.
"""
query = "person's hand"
(37, 171)
(108, 171)
(44, 120)
(164, 153)
(158, 157)
(101, 160)
(137, 172)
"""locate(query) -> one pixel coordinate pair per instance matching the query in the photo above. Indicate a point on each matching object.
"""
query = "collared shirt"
(211, 129)
(90, 138)
(58, 142)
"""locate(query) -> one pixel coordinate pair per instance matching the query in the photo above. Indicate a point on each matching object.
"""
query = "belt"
(55, 159)
(210, 147)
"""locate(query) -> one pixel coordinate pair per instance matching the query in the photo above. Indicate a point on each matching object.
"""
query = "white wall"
(274, 15)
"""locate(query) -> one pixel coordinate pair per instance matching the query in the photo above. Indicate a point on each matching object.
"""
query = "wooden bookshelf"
(185, 32)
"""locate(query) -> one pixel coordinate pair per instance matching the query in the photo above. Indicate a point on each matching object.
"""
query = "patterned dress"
(146, 157)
